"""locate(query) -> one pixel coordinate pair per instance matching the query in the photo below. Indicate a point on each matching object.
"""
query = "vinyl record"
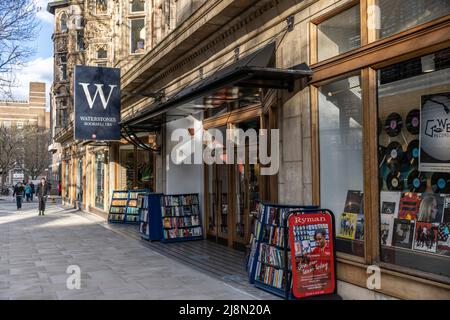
(412, 152)
(440, 182)
(393, 124)
(394, 155)
(394, 181)
(413, 121)
(417, 182)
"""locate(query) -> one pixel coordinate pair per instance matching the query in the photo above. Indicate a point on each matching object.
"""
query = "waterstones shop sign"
(97, 103)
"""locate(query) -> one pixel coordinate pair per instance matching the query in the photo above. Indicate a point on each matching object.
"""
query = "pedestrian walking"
(19, 192)
(41, 193)
(33, 190)
(28, 192)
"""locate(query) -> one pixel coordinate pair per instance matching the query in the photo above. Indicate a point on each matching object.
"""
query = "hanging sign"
(97, 103)
(434, 139)
(312, 254)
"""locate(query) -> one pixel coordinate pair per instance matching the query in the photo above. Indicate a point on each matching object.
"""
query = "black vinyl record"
(393, 124)
(394, 181)
(417, 182)
(394, 155)
(413, 121)
(412, 152)
(440, 182)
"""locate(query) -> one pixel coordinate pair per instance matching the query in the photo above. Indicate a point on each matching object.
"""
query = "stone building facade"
(358, 52)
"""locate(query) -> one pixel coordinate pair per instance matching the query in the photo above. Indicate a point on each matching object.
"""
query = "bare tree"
(10, 150)
(36, 157)
(18, 25)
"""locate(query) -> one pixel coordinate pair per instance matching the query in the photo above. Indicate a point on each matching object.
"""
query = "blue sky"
(40, 66)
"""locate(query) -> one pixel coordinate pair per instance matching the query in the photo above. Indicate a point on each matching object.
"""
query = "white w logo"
(99, 90)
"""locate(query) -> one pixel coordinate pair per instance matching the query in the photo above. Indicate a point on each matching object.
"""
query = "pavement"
(43, 257)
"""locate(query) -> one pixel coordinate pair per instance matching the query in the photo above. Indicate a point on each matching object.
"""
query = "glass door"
(246, 182)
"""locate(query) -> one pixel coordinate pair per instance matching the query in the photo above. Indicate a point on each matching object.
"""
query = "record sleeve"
(386, 229)
(409, 206)
(431, 208)
(390, 203)
(403, 235)
(348, 223)
(425, 237)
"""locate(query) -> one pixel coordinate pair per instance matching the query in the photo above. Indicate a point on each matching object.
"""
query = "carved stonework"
(61, 44)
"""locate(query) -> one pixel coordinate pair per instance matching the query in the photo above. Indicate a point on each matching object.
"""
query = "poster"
(434, 139)
(97, 103)
(312, 257)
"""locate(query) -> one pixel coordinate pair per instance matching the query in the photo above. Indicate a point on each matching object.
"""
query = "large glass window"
(393, 16)
(137, 36)
(339, 34)
(414, 161)
(99, 180)
(341, 160)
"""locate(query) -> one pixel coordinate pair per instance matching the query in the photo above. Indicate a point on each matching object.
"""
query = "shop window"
(19, 125)
(136, 169)
(339, 34)
(137, 5)
(341, 160)
(7, 124)
(101, 6)
(137, 36)
(393, 16)
(414, 162)
(99, 180)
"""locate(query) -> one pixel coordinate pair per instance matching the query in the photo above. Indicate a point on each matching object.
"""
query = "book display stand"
(123, 208)
(132, 210)
(269, 261)
(170, 218)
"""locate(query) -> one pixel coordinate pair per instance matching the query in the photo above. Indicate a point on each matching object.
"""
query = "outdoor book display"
(132, 210)
(123, 208)
(149, 205)
(118, 206)
(170, 218)
(269, 260)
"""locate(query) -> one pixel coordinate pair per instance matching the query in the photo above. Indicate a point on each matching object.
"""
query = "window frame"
(369, 58)
(130, 19)
(130, 7)
(102, 13)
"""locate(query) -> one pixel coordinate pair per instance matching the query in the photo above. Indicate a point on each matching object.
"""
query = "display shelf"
(150, 216)
(123, 208)
(132, 210)
(178, 205)
(269, 235)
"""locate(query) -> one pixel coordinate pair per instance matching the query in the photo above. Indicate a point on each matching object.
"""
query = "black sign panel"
(97, 103)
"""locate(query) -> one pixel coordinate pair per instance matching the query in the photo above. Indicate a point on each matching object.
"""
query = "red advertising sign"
(312, 254)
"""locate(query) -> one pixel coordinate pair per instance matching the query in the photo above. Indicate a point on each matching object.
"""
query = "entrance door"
(232, 193)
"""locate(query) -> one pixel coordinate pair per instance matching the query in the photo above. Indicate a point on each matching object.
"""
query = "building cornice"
(51, 6)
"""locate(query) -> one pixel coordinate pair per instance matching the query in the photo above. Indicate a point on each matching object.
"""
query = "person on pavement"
(42, 192)
(33, 190)
(19, 192)
(28, 192)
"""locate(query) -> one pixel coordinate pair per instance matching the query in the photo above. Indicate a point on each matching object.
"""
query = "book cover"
(443, 240)
(359, 234)
(446, 210)
(425, 237)
(390, 202)
(403, 235)
(353, 203)
(409, 206)
(431, 208)
(348, 223)
(386, 229)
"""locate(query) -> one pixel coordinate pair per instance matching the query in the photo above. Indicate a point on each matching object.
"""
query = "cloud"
(42, 13)
(39, 70)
